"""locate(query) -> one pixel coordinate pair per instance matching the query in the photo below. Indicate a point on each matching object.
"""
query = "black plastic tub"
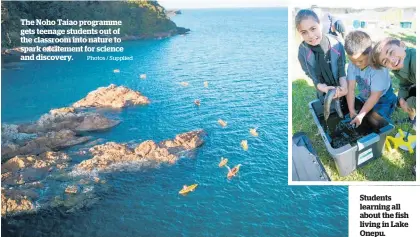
(350, 152)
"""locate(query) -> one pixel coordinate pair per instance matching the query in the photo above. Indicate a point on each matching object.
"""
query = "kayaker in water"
(223, 162)
(184, 187)
(232, 172)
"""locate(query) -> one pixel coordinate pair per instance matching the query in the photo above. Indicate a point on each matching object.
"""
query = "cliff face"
(140, 18)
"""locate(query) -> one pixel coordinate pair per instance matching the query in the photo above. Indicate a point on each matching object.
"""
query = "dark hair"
(357, 42)
(305, 14)
(339, 28)
(374, 57)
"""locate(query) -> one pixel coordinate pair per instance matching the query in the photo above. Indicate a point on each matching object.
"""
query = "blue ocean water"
(242, 53)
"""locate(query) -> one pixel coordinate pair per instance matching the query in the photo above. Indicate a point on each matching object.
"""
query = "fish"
(327, 103)
(338, 108)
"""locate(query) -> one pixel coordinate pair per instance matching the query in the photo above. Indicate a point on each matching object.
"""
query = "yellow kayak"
(188, 189)
(222, 123)
(244, 144)
(235, 170)
(253, 132)
(223, 162)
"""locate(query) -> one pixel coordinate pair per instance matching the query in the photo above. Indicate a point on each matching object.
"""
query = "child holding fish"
(321, 56)
(374, 84)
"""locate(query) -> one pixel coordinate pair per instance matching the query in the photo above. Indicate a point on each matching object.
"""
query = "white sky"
(184, 4)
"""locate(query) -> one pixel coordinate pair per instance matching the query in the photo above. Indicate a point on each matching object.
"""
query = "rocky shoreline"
(32, 153)
(64, 127)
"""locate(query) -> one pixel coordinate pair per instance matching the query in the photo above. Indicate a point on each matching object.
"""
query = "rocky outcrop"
(28, 169)
(112, 97)
(16, 201)
(51, 141)
(23, 179)
(95, 122)
(187, 141)
(69, 118)
(111, 153)
(10, 134)
(31, 158)
(53, 131)
(172, 12)
(106, 155)
(21, 176)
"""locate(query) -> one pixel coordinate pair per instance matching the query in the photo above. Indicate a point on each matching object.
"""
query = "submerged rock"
(72, 189)
(167, 151)
(113, 97)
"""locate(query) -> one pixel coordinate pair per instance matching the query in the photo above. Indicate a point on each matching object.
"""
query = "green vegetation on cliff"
(140, 18)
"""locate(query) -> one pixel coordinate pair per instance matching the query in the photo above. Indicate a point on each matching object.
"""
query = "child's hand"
(412, 113)
(340, 92)
(357, 120)
(324, 88)
(404, 105)
(353, 113)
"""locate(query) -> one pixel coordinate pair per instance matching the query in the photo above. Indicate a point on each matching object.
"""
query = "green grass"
(392, 166)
